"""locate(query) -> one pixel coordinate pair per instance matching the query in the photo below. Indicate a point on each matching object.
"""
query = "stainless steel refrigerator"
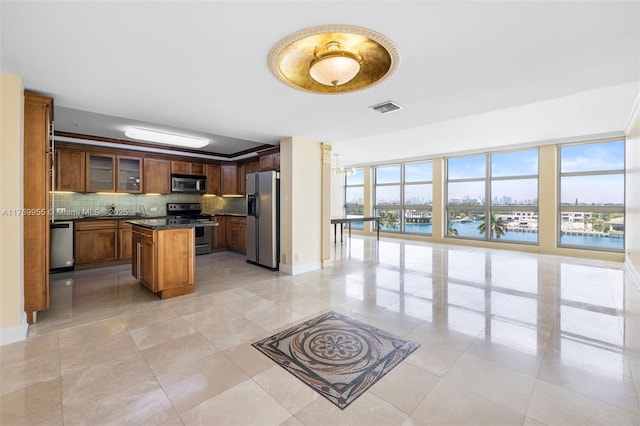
(263, 219)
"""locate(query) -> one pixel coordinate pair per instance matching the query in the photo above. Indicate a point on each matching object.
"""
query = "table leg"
(378, 229)
(349, 230)
(335, 233)
(341, 232)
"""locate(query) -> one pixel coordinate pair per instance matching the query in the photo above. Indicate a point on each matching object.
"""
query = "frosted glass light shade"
(166, 138)
(334, 70)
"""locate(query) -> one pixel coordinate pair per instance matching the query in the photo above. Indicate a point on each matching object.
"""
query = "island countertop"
(164, 223)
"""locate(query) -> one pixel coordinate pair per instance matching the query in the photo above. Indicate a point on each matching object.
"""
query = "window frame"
(402, 206)
(488, 207)
(599, 209)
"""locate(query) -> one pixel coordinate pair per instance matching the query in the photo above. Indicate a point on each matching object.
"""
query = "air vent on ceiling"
(386, 107)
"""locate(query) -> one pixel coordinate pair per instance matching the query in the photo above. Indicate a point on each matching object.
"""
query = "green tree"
(389, 220)
(450, 229)
(497, 227)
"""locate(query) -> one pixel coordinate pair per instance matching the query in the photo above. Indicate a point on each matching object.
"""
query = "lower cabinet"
(219, 235)
(236, 231)
(96, 241)
(102, 241)
(124, 240)
(164, 260)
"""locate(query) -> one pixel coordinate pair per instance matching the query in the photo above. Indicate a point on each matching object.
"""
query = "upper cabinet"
(187, 168)
(130, 174)
(212, 172)
(229, 179)
(157, 176)
(69, 170)
(91, 169)
(270, 161)
(100, 172)
(243, 171)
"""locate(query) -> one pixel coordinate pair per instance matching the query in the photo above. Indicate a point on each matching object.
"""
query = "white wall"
(527, 125)
(13, 321)
(632, 217)
(300, 205)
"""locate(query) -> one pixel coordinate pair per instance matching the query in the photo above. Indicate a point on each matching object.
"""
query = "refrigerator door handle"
(257, 206)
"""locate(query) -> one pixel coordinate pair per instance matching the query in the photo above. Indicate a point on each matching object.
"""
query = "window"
(494, 196)
(354, 196)
(403, 197)
(592, 196)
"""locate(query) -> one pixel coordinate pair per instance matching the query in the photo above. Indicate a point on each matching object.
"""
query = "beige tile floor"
(506, 338)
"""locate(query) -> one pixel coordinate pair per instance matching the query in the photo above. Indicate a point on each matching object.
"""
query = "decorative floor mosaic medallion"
(340, 358)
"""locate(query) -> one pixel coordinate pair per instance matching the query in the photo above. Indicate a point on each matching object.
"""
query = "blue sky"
(577, 158)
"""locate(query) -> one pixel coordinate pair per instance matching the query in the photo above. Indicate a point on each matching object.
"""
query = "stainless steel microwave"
(189, 183)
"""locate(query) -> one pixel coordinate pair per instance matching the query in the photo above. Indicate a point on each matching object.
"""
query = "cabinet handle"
(139, 262)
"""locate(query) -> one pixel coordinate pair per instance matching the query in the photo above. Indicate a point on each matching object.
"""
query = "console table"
(349, 220)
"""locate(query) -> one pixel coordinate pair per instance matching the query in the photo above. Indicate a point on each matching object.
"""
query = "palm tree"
(450, 229)
(389, 220)
(498, 227)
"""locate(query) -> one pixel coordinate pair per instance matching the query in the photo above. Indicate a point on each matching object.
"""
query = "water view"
(470, 230)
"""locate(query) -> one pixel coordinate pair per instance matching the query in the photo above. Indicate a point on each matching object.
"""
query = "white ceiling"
(472, 74)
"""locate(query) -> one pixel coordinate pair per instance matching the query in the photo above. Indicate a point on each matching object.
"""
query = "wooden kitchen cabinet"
(236, 231)
(218, 233)
(229, 179)
(187, 168)
(157, 176)
(212, 172)
(100, 172)
(96, 241)
(129, 178)
(243, 171)
(143, 265)
(270, 161)
(164, 260)
(38, 122)
(70, 170)
(124, 240)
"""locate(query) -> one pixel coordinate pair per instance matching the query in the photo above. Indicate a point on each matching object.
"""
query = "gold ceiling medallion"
(333, 59)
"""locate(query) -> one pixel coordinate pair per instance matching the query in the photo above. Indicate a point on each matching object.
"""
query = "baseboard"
(633, 273)
(300, 269)
(15, 333)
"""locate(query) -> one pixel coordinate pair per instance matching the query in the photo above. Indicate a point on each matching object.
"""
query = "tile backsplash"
(73, 205)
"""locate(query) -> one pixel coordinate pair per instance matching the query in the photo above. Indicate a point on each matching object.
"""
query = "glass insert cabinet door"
(110, 173)
(129, 174)
(100, 173)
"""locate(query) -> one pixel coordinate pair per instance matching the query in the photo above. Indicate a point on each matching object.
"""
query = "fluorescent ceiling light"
(166, 138)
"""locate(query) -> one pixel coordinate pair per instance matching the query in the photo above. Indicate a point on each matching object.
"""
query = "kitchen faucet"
(143, 210)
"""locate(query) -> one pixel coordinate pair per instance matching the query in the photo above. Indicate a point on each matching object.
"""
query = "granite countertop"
(163, 223)
(105, 217)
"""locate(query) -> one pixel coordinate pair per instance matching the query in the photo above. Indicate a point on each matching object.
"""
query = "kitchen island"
(164, 255)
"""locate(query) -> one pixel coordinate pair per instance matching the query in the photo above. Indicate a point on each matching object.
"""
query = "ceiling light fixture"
(165, 138)
(342, 170)
(333, 66)
(333, 59)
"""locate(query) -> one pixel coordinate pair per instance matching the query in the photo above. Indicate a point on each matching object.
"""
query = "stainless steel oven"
(192, 213)
(203, 239)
